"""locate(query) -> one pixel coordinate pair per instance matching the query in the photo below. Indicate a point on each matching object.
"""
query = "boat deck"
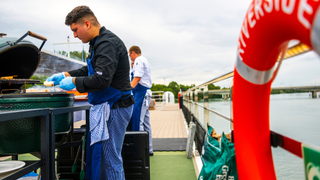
(169, 132)
(167, 122)
(169, 135)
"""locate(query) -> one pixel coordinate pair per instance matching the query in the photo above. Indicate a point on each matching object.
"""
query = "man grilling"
(106, 79)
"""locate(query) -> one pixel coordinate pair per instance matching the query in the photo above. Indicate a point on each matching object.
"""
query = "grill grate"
(19, 81)
(14, 85)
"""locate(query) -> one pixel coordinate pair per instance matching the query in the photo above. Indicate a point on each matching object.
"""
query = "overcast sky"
(189, 42)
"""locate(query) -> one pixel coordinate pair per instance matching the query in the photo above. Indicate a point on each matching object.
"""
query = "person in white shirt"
(145, 119)
(141, 82)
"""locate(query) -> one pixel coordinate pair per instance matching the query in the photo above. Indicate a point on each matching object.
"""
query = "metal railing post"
(196, 109)
(231, 106)
(188, 107)
(183, 100)
(187, 100)
(191, 102)
(206, 115)
(231, 112)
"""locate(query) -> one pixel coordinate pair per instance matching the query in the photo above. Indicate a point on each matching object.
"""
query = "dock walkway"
(167, 122)
(169, 131)
(169, 139)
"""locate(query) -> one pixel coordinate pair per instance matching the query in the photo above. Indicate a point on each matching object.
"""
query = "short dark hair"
(80, 14)
(135, 49)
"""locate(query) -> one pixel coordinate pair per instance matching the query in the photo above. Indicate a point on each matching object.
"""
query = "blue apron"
(138, 93)
(131, 76)
(93, 154)
(109, 94)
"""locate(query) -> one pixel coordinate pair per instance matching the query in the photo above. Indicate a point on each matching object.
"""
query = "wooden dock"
(169, 132)
(167, 122)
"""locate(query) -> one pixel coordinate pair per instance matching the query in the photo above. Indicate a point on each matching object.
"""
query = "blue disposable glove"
(56, 78)
(67, 84)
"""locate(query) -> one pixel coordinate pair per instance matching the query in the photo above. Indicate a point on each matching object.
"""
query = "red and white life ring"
(267, 28)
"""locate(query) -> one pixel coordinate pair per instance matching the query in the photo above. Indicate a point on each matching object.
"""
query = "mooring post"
(314, 94)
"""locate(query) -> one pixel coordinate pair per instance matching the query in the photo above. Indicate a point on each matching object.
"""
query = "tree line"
(74, 54)
(174, 87)
(287, 91)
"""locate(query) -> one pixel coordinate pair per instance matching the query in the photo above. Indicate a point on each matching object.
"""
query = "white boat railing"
(157, 95)
(191, 95)
(291, 52)
(190, 108)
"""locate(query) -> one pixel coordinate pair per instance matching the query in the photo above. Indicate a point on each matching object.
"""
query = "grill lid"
(21, 59)
(18, 57)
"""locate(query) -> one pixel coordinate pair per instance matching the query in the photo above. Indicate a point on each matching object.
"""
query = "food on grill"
(8, 77)
(31, 90)
(46, 83)
(36, 90)
(44, 90)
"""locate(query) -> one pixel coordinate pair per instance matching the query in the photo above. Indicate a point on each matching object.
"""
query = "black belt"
(124, 102)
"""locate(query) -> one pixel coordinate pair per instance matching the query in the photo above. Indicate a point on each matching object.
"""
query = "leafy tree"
(186, 87)
(74, 54)
(287, 91)
(168, 89)
(64, 53)
(174, 88)
(42, 78)
(157, 87)
(213, 87)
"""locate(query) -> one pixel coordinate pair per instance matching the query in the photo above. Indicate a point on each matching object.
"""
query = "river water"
(294, 115)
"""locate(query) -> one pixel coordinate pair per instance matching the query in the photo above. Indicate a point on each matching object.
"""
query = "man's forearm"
(135, 81)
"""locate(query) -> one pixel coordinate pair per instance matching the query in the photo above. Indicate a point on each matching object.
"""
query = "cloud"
(189, 42)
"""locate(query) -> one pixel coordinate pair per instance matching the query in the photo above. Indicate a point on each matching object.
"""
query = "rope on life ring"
(266, 30)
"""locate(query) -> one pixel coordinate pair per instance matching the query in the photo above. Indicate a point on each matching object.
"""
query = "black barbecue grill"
(20, 58)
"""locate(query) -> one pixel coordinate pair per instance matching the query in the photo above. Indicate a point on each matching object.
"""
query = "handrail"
(211, 110)
(157, 91)
(277, 140)
(19, 114)
(217, 79)
(291, 52)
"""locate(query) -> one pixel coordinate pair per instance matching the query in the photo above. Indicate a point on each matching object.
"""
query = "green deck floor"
(163, 165)
(171, 166)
